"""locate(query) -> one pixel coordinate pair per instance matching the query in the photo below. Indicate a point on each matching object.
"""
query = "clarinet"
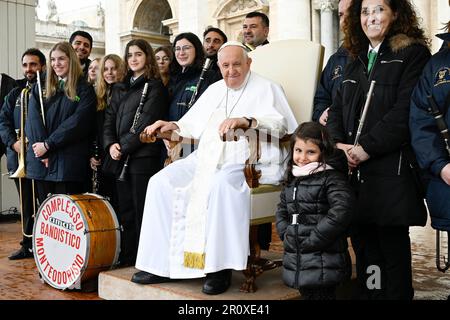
(95, 182)
(442, 126)
(124, 173)
(200, 80)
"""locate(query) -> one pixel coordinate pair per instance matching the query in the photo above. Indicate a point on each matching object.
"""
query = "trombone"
(20, 172)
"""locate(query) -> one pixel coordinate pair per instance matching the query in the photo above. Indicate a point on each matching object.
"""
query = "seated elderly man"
(196, 216)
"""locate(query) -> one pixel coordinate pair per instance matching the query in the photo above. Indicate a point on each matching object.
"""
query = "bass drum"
(75, 238)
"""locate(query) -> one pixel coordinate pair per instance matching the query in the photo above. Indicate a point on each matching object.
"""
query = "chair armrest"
(175, 143)
(254, 138)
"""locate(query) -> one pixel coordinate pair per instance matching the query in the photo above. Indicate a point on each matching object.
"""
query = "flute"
(363, 117)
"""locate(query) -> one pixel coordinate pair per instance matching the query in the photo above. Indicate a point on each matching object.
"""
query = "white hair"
(233, 43)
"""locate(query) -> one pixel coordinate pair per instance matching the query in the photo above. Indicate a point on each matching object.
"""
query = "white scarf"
(310, 168)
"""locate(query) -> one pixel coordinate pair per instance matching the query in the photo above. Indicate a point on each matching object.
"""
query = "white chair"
(295, 65)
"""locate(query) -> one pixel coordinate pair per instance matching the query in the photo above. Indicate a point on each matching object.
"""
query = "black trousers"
(107, 188)
(131, 196)
(389, 248)
(27, 209)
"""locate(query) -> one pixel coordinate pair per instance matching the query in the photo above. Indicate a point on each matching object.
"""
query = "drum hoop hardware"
(100, 266)
(102, 230)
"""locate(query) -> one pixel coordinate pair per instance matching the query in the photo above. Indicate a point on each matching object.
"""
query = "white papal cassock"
(213, 176)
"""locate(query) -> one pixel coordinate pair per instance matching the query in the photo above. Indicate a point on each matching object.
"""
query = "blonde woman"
(93, 69)
(112, 70)
(59, 139)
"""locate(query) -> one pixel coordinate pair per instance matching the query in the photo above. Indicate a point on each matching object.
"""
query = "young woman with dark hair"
(130, 112)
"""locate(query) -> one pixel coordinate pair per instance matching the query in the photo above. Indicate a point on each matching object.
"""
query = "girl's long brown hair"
(151, 68)
(101, 89)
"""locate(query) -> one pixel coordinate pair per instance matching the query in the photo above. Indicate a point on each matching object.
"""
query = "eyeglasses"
(183, 48)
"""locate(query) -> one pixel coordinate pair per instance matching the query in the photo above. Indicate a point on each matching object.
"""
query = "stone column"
(327, 10)
(17, 33)
(113, 21)
(193, 16)
(292, 19)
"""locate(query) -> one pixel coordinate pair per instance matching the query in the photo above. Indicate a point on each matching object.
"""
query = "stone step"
(116, 285)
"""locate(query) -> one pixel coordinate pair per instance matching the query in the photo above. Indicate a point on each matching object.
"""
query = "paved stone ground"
(19, 280)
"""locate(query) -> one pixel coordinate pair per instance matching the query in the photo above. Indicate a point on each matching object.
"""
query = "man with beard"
(255, 30)
(33, 60)
(213, 39)
(81, 42)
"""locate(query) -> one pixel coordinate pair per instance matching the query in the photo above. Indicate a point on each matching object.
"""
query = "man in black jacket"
(81, 42)
(6, 85)
(331, 77)
(255, 30)
(33, 60)
(213, 39)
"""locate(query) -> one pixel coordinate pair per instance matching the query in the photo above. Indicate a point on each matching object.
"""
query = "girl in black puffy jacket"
(314, 213)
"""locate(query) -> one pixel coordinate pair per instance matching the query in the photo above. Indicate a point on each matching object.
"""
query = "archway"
(230, 15)
(147, 22)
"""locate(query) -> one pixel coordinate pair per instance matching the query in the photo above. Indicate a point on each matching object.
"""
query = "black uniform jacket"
(120, 115)
(67, 131)
(9, 123)
(386, 190)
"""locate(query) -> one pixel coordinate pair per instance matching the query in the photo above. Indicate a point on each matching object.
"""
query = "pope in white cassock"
(197, 210)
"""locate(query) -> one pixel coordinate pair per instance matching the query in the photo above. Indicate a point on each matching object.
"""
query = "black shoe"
(143, 277)
(22, 253)
(217, 282)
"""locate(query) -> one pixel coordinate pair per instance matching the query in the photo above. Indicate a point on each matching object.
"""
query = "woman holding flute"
(132, 109)
(387, 45)
(57, 126)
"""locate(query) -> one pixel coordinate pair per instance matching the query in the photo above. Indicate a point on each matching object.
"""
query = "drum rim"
(88, 247)
(116, 225)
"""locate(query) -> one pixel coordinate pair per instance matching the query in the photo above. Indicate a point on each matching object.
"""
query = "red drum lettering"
(64, 277)
(49, 210)
(79, 225)
(42, 228)
(79, 260)
(43, 212)
(54, 205)
(74, 208)
(66, 209)
(58, 204)
(77, 217)
(42, 259)
(40, 242)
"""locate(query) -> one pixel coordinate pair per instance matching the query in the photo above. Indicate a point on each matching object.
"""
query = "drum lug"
(89, 213)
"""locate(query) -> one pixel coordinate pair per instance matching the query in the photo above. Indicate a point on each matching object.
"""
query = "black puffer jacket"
(316, 248)
(120, 115)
